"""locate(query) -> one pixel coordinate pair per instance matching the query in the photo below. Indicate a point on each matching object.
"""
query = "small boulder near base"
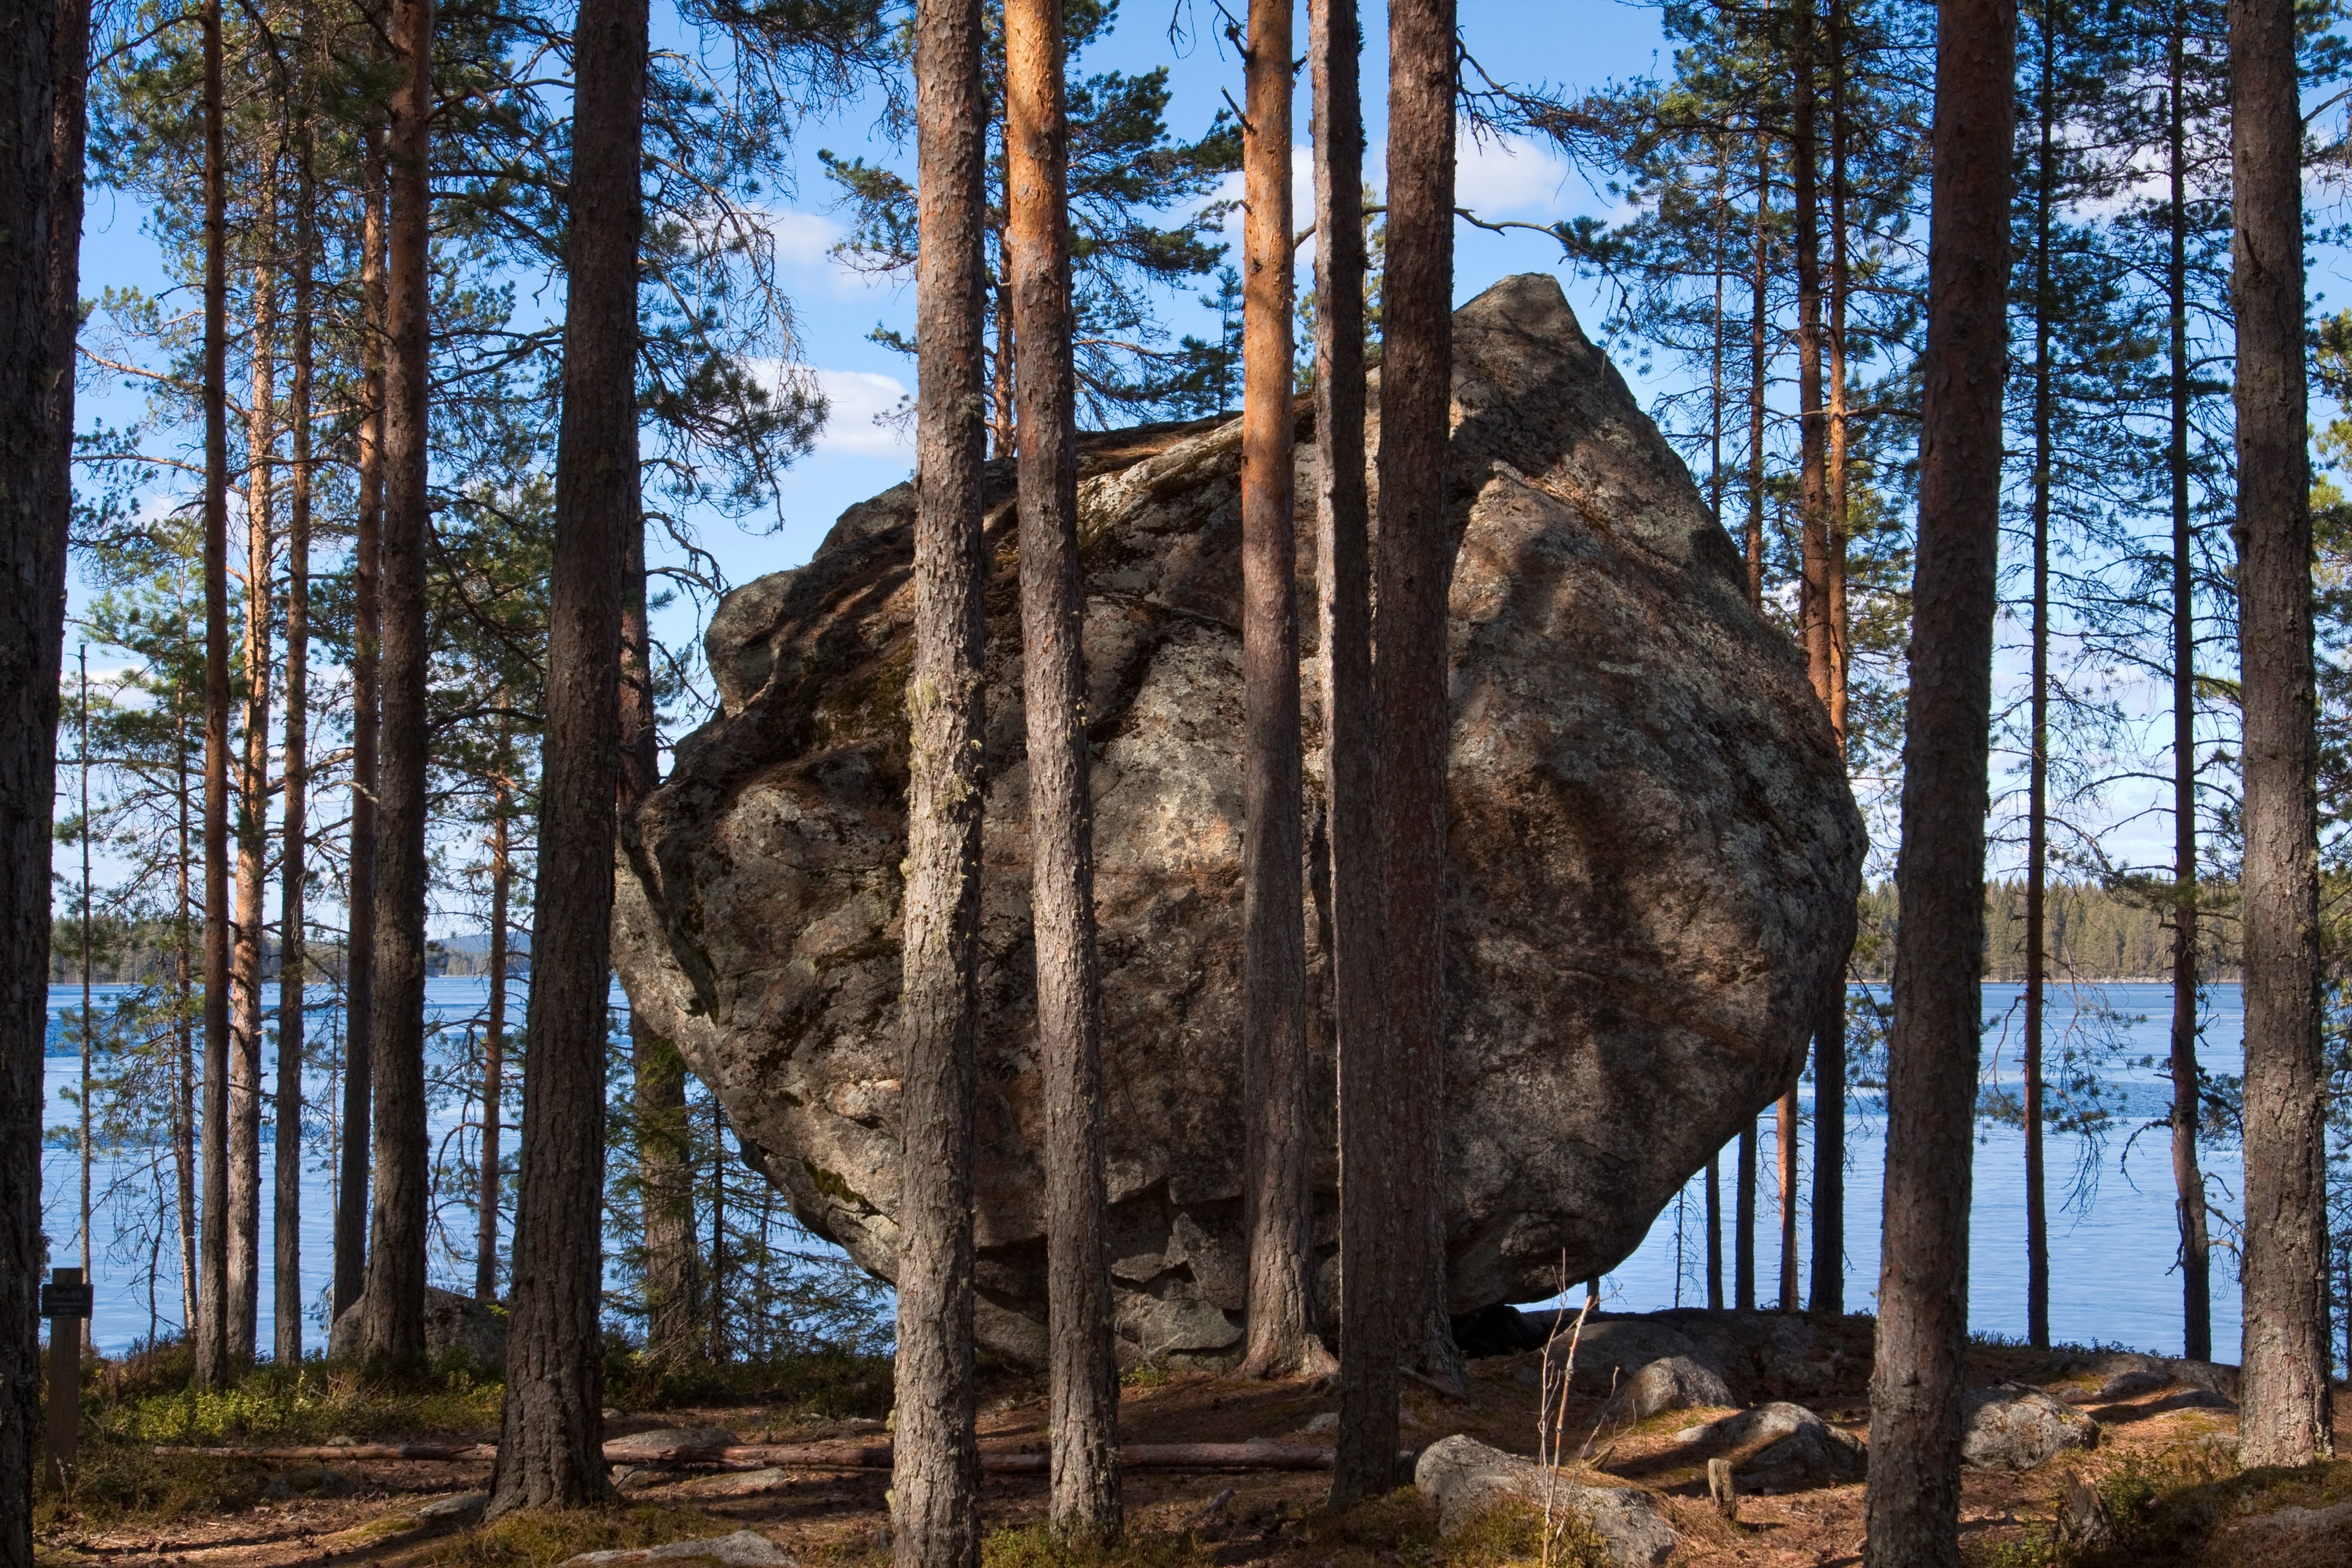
(672, 1443)
(1464, 1478)
(1670, 1383)
(1780, 1447)
(2018, 1429)
(744, 1549)
(456, 1327)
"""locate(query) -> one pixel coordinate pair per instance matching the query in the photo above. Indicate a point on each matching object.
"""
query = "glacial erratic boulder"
(2019, 1429)
(1464, 1478)
(1652, 855)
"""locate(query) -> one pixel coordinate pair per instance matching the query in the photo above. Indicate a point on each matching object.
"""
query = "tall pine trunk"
(213, 1309)
(1758, 363)
(1743, 1223)
(2285, 1416)
(673, 1271)
(1278, 1160)
(1914, 1497)
(367, 622)
(294, 959)
(1416, 567)
(2188, 1079)
(2037, 805)
(1364, 1464)
(494, 1034)
(33, 537)
(1828, 1285)
(248, 939)
(183, 1121)
(551, 1449)
(935, 1476)
(393, 1305)
(1083, 1395)
(70, 133)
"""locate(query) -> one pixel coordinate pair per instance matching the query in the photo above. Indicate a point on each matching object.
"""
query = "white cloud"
(803, 238)
(1496, 178)
(853, 399)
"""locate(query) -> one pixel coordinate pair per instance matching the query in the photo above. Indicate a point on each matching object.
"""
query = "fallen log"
(1256, 1455)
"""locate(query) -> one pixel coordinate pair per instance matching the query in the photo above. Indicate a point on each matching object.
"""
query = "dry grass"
(540, 1537)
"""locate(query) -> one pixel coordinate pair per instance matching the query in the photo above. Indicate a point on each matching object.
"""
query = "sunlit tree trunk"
(294, 966)
(494, 1033)
(2285, 1414)
(935, 1475)
(2037, 809)
(392, 1315)
(1914, 1496)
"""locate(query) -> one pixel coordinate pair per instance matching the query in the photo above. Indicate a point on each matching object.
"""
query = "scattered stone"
(457, 1328)
(1464, 1478)
(2294, 1532)
(2006, 1430)
(462, 1508)
(1670, 1383)
(1613, 688)
(2131, 1384)
(669, 1439)
(1611, 1351)
(1329, 1421)
(744, 1549)
(2209, 1376)
(1780, 1447)
(740, 1483)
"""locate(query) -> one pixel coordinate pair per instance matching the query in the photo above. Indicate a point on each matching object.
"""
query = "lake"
(2112, 1235)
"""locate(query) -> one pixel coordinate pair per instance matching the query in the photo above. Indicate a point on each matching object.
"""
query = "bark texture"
(2285, 1416)
(1415, 566)
(551, 1449)
(1913, 1501)
(213, 1366)
(1277, 1162)
(294, 966)
(393, 1303)
(367, 622)
(1364, 1460)
(935, 1476)
(494, 1041)
(1083, 1397)
(32, 634)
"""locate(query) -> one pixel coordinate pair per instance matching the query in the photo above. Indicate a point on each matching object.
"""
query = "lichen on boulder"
(1652, 855)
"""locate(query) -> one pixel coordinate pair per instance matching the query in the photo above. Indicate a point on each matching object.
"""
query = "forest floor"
(2168, 1474)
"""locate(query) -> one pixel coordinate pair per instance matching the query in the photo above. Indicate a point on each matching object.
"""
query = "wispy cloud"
(854, 400)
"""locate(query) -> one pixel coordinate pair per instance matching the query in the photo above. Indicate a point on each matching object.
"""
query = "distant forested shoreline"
(2098, 932)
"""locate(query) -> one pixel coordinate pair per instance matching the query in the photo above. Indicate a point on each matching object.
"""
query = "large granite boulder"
(1654, 854)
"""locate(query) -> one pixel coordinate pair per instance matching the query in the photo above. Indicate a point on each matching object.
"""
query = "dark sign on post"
(65, 1303)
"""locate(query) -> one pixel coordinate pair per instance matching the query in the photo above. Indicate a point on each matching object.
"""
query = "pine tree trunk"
(1365, 1463)
(33, 536)
(2037, 809)
(1743, 1224)
(213, 1365)
(2285, 1416)
(2187, 1178)
(1279, 1212)
(184, 1128)
(551, 1451)
(1714, 1235)
(934, 1512)
(1416, 567)
(367, 622)
(248, 940)
(673, 1271)
(1829, 1034)
(392, 1306)
(1083, 1395)
(294, 963)
(494, 1038)
(1914, 1496)
(1759, 361)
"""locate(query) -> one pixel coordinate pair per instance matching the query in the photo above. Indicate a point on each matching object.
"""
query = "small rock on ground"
(2004, 1430)
(1780, 1447)
(742, 1483)
(465, 1505)
(1670, 1383)
(2293, 1537)
(1464, 1478)
(744, 1549)
(673, 1438)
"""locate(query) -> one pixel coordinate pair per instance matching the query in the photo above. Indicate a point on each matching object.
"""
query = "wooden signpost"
(66, 1301)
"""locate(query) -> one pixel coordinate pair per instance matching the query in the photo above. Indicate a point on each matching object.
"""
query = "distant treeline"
(2096, 932)
(146, 953)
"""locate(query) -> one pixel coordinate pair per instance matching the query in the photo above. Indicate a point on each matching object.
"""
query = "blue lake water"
(2111, 1241)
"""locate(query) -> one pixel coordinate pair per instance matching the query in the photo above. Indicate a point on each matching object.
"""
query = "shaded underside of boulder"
(1652, 855)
